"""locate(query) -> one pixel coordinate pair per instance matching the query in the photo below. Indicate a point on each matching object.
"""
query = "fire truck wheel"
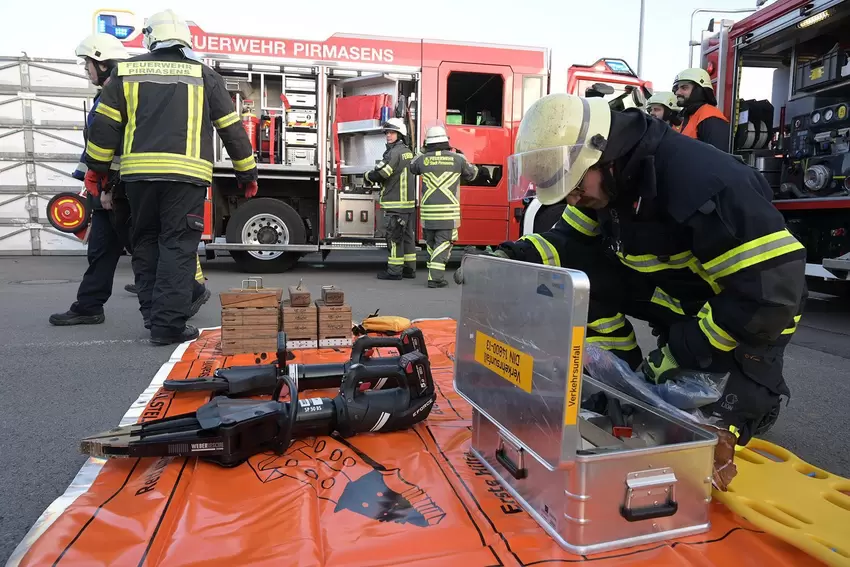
(265, 221)
(546, 217)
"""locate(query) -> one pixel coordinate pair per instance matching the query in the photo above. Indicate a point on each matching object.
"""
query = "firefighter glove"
(458, 275)
(660, 365)
(250, 189)
(106, 200)
(94, 182)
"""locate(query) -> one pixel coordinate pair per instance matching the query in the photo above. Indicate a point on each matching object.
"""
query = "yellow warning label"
(574, 377)
(816, 73)
(842, 112)
(509, 363)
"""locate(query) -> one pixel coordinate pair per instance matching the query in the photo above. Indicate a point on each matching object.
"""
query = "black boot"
(197, 302)
(189, 333)
(437, 283)
(131, 288)
(71, 318)
(385, 275)
(408, 273)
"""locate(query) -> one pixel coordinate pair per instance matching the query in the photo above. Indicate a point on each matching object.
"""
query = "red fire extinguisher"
(251, 123)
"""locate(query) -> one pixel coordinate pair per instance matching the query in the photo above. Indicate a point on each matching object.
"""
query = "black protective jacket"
(166, 107)
(701, 226)
(398, 193)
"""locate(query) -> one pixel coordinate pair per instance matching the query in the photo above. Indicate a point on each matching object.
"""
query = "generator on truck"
(799, 138)
(611, 79)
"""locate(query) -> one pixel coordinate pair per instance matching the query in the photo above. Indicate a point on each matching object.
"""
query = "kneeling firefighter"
(662, 105)
(441, 169)
(398, 201)
(703, 257)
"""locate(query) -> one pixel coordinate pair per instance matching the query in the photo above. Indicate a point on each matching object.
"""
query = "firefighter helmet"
(695, 75)
(166, 26)
(102, 47)
(560, 137)
(663, 98)
(436, 135)
(395, 125)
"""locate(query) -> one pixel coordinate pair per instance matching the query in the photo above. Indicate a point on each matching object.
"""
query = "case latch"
(650, 494)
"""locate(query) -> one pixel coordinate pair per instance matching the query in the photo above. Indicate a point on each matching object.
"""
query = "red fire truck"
(800, 137)
(314, 110)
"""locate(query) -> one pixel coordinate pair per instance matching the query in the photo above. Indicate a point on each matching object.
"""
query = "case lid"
(518, 358)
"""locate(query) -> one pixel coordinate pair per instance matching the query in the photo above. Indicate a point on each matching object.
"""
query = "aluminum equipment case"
(518, 362)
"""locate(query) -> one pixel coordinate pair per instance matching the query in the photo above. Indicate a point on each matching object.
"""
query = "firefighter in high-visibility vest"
(441, 169)
(701, 119)
(663, 105)
(165, 104)
(398, 202)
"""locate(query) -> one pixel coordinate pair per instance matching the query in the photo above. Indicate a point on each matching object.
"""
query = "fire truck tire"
(546, 217)
(265, 221)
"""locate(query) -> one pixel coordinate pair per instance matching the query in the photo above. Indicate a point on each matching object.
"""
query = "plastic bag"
(681, 397)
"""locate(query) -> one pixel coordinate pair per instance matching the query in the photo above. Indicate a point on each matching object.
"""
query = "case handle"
(517, 470)
(658, 487)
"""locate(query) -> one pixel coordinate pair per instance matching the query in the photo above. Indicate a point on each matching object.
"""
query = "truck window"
(474, 99)
(620, 99)
(532, 91)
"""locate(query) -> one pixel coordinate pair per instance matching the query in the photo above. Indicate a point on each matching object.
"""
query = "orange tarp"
(410, 498)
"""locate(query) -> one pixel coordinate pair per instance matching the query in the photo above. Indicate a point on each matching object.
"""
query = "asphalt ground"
(58, 384)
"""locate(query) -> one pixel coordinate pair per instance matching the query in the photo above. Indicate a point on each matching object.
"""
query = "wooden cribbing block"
(299, 296)
(332, 295)
(242, 346)
(250, 316)
(249, 332)
(263, 297)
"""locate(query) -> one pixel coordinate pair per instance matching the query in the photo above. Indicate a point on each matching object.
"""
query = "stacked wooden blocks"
(250, 320)
(298, 319)
(334, 318)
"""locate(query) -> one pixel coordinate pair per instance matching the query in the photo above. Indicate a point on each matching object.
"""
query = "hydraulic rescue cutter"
(262, 379)
(227, 431)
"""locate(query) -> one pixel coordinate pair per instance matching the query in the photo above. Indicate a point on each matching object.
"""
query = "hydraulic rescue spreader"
(376, 394)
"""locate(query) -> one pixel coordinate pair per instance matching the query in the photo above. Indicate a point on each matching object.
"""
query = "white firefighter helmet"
(166, 26)
(663, 98)
(560, 137)
(436, 135)
(395, 125)
(695, 75)
(102, 47)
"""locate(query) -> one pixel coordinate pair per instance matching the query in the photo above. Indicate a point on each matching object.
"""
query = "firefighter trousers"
(617, 291)
(401, 241)
(439, 244)
(105, 247)
(166, 230)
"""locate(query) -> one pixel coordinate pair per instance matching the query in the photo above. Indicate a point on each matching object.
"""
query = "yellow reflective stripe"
(719, 339)
(402, 187)
(440, 249)
(652, 263)
(109, 112)
(793, 327)
(454, 235)
(580, 221)
(660, 297)
(548, 254)
(435, 266)
(443, 183)
(607, 325)
(698, 269)
(199, 273)
(131, 97)
(614, 343)
(244, 164)
(166, 159)
(225, 121)
(753, 252)
(398, 204)
(97, 153)
(410, 257)
(195, 112)
(387, 170)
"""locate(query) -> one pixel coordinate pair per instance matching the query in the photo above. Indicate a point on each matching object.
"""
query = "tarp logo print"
(342, 474)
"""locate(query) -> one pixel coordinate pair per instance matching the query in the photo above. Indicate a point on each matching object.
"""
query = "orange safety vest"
(703, 112)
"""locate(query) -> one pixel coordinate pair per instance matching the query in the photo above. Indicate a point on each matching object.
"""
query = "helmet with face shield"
(560, 138)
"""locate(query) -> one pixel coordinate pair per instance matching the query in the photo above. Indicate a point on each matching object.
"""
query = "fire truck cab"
(798, 132)
(611, 79)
